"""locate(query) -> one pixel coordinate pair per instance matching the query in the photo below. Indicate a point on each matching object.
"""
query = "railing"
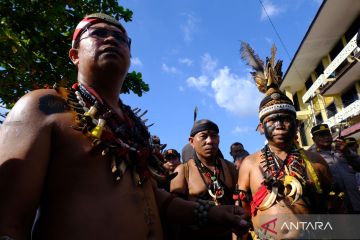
(352, 110)
(322, 79)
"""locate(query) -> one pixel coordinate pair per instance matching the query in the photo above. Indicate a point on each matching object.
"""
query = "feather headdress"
(266, 76)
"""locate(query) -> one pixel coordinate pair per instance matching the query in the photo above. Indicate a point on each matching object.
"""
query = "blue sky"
(188, 52)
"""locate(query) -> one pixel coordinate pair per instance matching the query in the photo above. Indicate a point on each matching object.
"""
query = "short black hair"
(236, 144)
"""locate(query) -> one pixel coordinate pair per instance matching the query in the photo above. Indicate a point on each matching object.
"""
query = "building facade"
(323, 78)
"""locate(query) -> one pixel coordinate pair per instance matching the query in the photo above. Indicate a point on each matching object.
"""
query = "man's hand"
(230, 215)
(341, 145)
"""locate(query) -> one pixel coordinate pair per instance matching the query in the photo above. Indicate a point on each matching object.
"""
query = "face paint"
(281, 121)
(268, 130)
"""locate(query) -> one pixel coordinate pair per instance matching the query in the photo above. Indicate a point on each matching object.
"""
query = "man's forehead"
(107, 26)
(323, 133)
(279, 114)
(212, 132)
(237, 147)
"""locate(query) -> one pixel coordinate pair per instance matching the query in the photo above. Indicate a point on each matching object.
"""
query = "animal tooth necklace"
(125, 139)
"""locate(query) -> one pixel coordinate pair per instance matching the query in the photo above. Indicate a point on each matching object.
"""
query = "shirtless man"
(205, 176)
(280, 181)
(83, 159)
(238, 153)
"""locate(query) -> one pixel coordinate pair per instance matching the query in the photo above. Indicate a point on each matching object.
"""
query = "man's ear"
(261, 128)
(74, 56)
(191, 141)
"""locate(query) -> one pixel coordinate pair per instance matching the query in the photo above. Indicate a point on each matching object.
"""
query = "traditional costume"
(282, 178)
(125, 139)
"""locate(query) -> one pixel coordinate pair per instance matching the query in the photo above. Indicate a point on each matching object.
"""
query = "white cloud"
(199, 83)
(136, 61)
(271, 9)
(208, 64)
(237, 95)
(186, 61)
(189, 27)
(240, 130)
(168, 69)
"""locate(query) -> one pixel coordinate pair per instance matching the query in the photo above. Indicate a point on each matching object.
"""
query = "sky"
(188, 53)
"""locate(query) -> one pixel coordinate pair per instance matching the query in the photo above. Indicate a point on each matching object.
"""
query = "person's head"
(321, 136)
(100, 44)
(277, 116)
(155, 141)
(187, 152)
(172, 158)
(204, 137)
(235, 149)
(352, 144)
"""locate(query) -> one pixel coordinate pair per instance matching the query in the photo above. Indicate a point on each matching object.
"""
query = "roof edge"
(304, 38)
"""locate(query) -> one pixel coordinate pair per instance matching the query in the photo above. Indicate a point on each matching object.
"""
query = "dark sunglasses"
(102, 33)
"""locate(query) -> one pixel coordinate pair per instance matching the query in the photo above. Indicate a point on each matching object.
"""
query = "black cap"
(321, 128)
(350, 140)
(171, 152)
(203, 125)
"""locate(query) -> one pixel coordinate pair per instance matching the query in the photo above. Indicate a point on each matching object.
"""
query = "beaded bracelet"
(201, 211)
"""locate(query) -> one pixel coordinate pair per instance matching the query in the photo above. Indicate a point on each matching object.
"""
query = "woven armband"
(240, 195)
(201, 212)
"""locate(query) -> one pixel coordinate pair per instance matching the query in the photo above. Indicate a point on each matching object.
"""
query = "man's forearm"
(6, 238)
(177, 211)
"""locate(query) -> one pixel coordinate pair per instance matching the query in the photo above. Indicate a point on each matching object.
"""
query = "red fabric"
(258, 198)
(83, 24)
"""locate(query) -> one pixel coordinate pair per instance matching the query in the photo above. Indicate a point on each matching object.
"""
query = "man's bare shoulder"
(252, 159)
(39, 102)
(180, 168)
(228, 163)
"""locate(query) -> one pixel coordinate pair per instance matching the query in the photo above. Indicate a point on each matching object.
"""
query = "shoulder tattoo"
(50, 104)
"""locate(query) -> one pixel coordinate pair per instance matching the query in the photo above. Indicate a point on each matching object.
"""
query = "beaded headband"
(275, 108)
(91, 20)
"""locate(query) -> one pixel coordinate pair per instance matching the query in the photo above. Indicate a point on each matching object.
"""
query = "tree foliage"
(35, 37)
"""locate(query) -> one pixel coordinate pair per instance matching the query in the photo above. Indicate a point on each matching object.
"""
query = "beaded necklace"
(125, 139)
(211, 178)
(275, 169)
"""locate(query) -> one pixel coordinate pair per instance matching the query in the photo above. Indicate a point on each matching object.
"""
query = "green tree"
(35, 37)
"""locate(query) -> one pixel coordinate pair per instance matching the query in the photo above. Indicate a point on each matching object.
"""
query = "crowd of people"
(80, 164)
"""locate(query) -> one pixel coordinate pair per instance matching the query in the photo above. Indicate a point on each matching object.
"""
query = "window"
(319, 69)
(336, 50)
(296, 102)
(303, 135)
(319, 118)
(308, 83)
(349, 96)
(350, 33)
(331, 110)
